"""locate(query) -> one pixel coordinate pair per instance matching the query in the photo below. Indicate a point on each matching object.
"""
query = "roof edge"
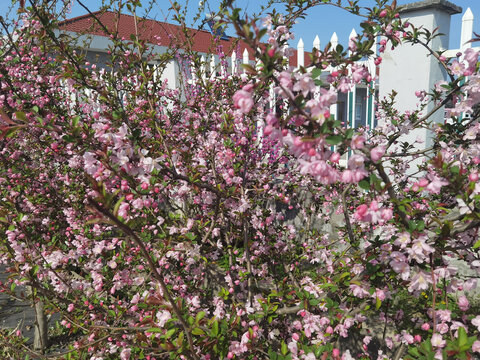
(78, 18)
(442, 5)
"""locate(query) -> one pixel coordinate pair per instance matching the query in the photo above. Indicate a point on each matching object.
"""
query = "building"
(405, 69)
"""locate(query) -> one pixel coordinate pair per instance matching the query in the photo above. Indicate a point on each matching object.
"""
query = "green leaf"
(462, 336)
(117, 205)
(20, 115)
(198, 331)
(190, 236)
(248, 69)
(412, 225)
(349, 133)
(284, 348)
(75, 121)
(136, 134)
(117, 114)
(272, 355)
(154, 330)
(477, 244)
(68, 138)
(316, 73)
(170, 333)
(414, 352)
(214, 331)
(420, 225)
(180, 339)
(364, 184)
(333, 139)
(199, 316)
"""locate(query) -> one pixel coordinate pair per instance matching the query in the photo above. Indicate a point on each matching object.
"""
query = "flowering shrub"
(215, 220)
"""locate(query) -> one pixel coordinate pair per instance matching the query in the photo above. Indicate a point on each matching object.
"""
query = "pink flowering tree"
(234, 217)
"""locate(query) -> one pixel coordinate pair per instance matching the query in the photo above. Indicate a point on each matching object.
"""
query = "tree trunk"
(40, 339)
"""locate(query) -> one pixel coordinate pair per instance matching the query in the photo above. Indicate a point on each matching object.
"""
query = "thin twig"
(351, 236)
(128, 231)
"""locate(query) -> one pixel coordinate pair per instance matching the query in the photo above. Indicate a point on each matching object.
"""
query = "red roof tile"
(157, 32)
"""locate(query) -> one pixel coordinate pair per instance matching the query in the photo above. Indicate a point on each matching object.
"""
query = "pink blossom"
(444, 315)
(476, 322)
(436, 184)
(162, 317)
(357, 142)
(361, 211)
(358, 291)
(420, 281)
(442, 328)
(243, 100)
(335, 157)
(471, 132)
(304, 83)
(386, 214)
(422, 182)
(457, 68)
(285, 79)
(348, 177)
(402, 240)
(471, 57)
(352, 45)
(292, 346)
(377, 152)
(437, 341)
(473, 176)
(379, 294)
(344, 85)
(407, 338)
(125, 354)
(359, 73)
(463, 303)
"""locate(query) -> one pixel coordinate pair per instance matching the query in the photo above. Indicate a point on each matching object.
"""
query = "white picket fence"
(355, 108)
(466, 34)
(301, 54)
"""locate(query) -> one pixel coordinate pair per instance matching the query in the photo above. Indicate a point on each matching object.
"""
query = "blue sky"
(322, 20)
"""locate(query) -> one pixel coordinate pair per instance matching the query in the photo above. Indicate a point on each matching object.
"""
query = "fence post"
(353, 35)
(234, 62)
(334, 41)
(245, 57)
(213, 67)
(467, 29)
(352, 95)
(300, 53)
(408, 68)
(372, 69)
(203, 70)
(316, 43)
